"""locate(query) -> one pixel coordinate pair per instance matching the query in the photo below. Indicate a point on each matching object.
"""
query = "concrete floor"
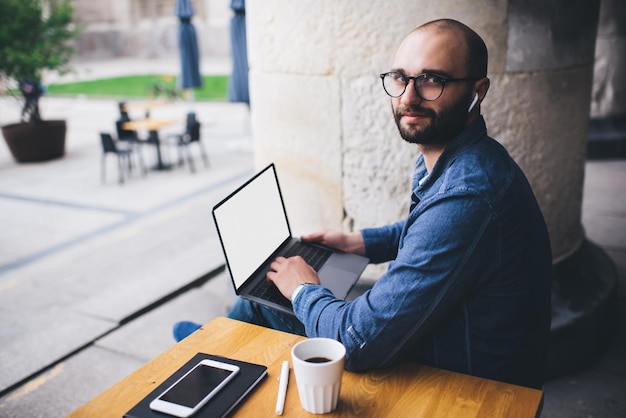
(93, 274)
(598, 389)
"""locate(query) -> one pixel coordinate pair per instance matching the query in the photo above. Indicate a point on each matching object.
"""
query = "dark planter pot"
(38, 141)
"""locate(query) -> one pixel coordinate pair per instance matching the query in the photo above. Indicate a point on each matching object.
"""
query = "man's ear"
(481, 87)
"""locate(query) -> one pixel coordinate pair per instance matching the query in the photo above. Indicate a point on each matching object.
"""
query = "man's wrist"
(297, 290)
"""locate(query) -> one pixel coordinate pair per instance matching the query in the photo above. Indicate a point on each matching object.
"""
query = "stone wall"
(319, 112)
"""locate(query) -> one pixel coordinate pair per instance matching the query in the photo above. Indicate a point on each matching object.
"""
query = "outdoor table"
(146, 106)
(406, 389)
(152, 126)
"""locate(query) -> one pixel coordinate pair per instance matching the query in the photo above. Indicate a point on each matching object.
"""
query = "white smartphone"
(189, 393)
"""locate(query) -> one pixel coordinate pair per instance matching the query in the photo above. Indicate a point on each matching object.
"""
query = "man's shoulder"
(482, 166)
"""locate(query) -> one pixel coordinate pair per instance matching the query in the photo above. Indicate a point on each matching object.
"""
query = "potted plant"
(34, 36)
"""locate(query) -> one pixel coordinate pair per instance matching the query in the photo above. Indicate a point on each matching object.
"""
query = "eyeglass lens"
(426, 86)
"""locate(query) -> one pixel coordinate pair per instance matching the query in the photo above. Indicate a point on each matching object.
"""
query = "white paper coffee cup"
(318, 366)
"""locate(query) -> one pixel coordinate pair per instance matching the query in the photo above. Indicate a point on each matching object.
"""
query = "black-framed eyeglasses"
(427, 86)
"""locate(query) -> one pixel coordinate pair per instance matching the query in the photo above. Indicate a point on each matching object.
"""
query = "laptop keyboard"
(314, 256)
(268, 291)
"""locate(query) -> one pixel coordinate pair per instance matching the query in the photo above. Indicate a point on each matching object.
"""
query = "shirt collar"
(471, 134)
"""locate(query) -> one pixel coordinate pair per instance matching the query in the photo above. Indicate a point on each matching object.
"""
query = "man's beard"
(443, 127)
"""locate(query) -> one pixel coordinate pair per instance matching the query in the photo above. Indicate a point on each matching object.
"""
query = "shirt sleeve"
(381, 244)
(433, 269)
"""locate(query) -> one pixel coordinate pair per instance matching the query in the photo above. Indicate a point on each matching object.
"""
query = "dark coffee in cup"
(318, 360)
(318, 367)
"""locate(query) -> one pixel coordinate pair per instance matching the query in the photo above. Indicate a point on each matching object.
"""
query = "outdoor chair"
(127, 135)
(185, 139)
(123, 150)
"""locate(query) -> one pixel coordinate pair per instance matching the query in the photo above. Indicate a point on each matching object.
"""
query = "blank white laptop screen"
(252, 224)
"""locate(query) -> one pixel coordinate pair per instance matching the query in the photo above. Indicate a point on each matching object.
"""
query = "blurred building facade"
(148, 28)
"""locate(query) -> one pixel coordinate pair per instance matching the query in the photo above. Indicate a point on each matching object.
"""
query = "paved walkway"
(92, 275)
(86, 267)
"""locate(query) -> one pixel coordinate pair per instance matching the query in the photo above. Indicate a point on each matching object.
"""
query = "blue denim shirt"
(468, 283)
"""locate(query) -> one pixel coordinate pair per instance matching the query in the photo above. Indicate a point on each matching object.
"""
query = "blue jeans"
(254, 313)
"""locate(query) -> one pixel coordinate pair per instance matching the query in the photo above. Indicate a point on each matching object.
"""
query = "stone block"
(377, 163)
(350, 37)
(554, 34)
(297, 125)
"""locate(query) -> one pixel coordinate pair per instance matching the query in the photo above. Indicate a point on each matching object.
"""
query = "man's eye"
(431, 79)
(399, 78)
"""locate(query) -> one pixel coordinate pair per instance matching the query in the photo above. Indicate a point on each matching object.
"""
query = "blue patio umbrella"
(188, 44)
(238, 88)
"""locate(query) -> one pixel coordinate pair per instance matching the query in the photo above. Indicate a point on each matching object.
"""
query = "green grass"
(214, 87)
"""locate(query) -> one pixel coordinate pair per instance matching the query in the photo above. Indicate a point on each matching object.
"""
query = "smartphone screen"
(196, 385)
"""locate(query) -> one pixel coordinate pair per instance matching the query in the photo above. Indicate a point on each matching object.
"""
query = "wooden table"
(152, 126)
(404, 390)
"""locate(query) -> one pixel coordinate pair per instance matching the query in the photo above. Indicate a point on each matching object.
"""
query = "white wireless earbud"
(473, 103)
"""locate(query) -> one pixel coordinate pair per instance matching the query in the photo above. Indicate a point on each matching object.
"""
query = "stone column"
(609, 84)
(319, 112)
(607, 136)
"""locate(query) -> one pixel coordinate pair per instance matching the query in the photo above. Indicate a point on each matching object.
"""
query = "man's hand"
(287, 273)
(349, 242)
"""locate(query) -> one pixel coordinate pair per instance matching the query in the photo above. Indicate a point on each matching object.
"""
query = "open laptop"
(253, 229)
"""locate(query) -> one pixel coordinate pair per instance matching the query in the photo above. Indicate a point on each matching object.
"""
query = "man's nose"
(410, 96)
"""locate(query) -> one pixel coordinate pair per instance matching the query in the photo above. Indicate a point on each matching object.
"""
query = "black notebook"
(226, 400)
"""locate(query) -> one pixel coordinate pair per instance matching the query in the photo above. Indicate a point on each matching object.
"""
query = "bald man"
(468, 283)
